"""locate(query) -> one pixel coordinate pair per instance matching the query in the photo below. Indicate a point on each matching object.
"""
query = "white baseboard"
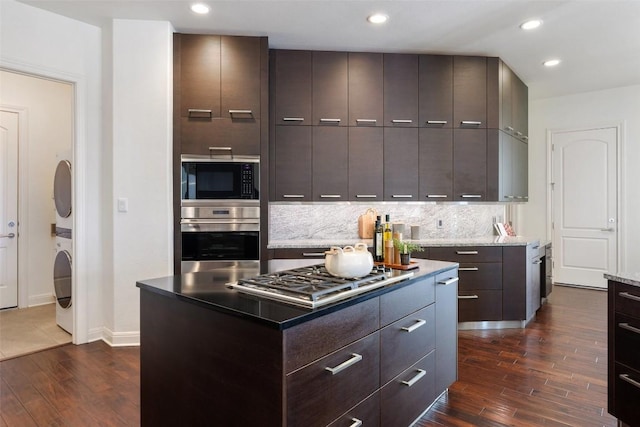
(120, 339)
(41, 299)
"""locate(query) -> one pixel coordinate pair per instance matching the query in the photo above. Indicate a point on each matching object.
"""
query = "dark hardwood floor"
(553, 373)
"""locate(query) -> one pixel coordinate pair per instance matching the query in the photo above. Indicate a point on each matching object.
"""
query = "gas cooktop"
(313, 286)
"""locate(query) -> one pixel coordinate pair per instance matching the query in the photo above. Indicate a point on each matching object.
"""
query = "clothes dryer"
(63, 280)
(62, 192)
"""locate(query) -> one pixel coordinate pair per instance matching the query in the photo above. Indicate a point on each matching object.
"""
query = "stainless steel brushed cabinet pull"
(470, 123)
(419, 322)
(627, 295)
(628, 327)
(293, 119)
(199, 113)
(627, 378)
(355, 358)
(449, 281)
(421, 373)
(467, 252)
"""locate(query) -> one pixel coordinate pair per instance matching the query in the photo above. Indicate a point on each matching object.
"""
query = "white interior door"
(8, 209)
(584, 205)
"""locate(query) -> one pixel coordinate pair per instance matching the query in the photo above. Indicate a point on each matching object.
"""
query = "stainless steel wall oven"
(220, 213)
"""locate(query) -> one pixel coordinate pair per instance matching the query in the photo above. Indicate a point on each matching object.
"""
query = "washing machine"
(63, 262)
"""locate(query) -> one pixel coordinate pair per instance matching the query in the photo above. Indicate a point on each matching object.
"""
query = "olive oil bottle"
(378, 242)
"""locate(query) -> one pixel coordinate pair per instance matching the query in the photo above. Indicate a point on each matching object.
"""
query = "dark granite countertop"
(208, 289)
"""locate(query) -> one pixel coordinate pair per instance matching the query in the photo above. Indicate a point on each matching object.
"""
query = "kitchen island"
(623, 326)
(211, 355)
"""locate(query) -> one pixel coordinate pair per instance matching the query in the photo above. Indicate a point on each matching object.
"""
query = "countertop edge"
(481, 241)
(624, 278)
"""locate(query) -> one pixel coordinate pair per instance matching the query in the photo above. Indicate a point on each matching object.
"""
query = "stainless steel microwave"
(207, 178)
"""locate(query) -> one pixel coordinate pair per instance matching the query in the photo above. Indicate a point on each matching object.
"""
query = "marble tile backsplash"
(340, 221)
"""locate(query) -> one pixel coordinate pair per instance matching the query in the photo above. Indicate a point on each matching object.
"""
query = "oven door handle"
(187, 226)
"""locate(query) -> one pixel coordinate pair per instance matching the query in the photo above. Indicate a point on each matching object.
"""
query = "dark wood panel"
(368, 412)
(446, 313)
(400, 348)
(436, 164)
(514, 282)
(469, 90)
(292, 74)
(366, 164)
(189, 346)
(292, 162)
(494, 92)
(481, 275)
(240, 72)
(626, 299)
(366, 84)
(199, 73)
(315, 396)
(406, 300)
(485, 305)
(469, 164)
(400, 156)
(293, 253)
(330, 160)
(311, 340)
(628, 394)
(242, 135)
(330, 88)
(400, 89)
(627, 339)
(401, 404)
(436, 90)
(467, 253)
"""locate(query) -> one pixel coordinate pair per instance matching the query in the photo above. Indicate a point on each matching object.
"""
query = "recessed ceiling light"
(551, 63)
(200, 8)
(377, 18)
(531, 24)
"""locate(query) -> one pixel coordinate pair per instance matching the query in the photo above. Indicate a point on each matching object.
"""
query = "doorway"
(45, 111)
(584, 205)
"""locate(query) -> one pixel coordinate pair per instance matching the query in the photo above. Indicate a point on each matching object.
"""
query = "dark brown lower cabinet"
(623, 321)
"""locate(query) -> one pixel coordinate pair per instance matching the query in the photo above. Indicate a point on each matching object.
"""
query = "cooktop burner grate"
(313, 286)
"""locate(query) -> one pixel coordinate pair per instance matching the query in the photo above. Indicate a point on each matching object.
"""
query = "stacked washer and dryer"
(62, 271)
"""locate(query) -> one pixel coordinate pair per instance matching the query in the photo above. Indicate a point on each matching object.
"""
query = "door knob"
(607, 229)
(10, 235)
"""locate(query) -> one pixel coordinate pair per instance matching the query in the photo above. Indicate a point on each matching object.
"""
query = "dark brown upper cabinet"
(469, 165)
(470, 92)
(400, 164)
(436, 165)
(220, 83)
(330, 89)
(240, 72)
(366, 163)
(292, 73)
(366, 89)
(293, 164)
(330, 158)
(197, 60)
(436, 91)
(400, 90)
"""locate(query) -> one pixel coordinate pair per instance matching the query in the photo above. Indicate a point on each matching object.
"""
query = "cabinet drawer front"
(316, 396)
(627, 339)
(627, 299)
(198, 135)
(401, 403)
(467, 253)
(295, 253)
(311, 340)
(405, 342)
(479, 305)
(367, 413)
(627, 394)
(480, 275)
(404, 301)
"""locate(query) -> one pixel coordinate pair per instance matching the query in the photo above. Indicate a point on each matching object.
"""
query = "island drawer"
(627, 339)
(627, 299)
(406, 300)
(316, 338)
(324, 390)
(408, 394)
(479, 305)
(295, 253)
(467, 253)
(627, 392)
(367, 413)
(406, 341)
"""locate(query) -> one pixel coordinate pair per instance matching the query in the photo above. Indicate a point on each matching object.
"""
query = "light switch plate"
(123, 204)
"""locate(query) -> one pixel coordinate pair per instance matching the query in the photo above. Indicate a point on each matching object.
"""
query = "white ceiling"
(598, 41)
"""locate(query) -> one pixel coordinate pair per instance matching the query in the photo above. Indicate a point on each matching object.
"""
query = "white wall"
(607, 107)
(48, 107)
(142, 82)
